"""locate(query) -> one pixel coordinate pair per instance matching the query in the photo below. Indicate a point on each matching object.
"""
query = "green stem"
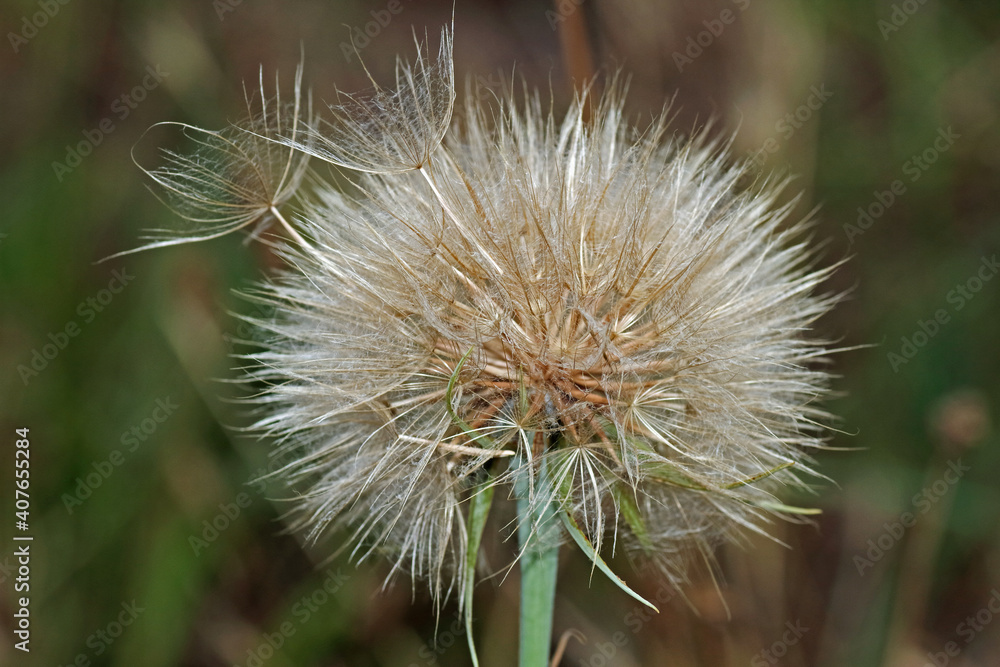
(538, 534)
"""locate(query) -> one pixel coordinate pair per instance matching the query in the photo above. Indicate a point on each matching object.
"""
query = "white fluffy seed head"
(502, 294)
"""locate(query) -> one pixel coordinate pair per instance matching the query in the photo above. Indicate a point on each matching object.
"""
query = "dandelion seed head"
(502, 293)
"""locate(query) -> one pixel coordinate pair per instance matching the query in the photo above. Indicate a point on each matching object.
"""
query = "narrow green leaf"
(539, 565)
(779, 507)
(632, 516)
(479, 510)
(760, 476)
(482, 440)
(663, 471)
(587, 548)
(522, 392)
(668, 474)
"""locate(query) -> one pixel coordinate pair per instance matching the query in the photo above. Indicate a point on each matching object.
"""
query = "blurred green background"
(152, 546)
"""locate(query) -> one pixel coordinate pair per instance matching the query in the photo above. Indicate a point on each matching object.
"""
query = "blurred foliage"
(887, 93)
